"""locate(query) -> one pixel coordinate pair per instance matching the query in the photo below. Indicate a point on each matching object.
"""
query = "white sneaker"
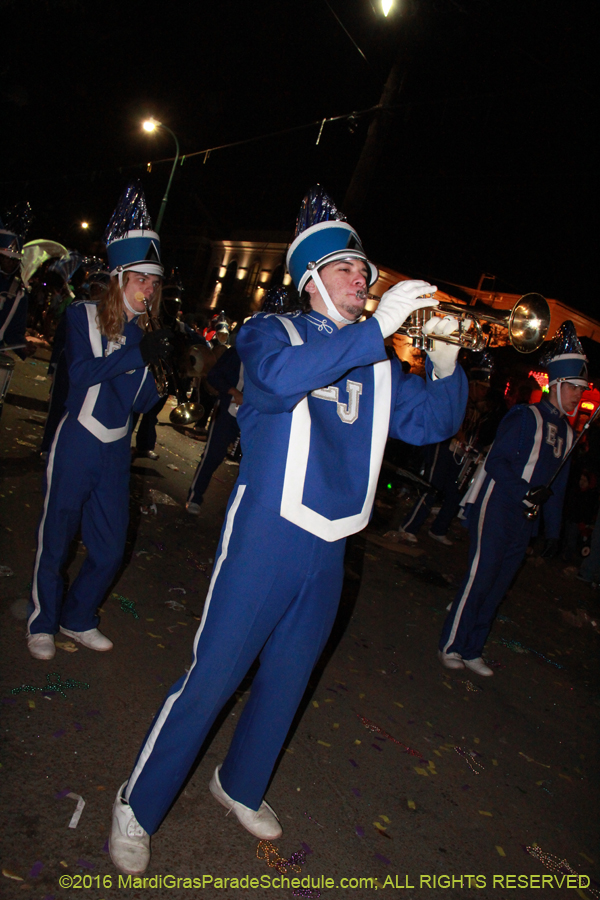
(193, 508)
(478, 665)
(407, 536)
(262, 823)
(93, 639)
(451, 660)
(440, 538)
(128, 843)
(41, 646)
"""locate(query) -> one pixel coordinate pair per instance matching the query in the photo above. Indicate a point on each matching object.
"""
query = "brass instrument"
(160, 371)
(186, 412)
(527, 323)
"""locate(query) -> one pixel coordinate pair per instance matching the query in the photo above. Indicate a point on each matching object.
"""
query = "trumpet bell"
(186, 413)
(528, 323)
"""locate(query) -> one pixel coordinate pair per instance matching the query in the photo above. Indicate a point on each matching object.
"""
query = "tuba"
(186, 412)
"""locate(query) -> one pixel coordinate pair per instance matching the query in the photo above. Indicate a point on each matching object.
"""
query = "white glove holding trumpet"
(400, 302)
(442, 355)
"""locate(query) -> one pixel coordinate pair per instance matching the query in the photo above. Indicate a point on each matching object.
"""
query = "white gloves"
(399, 302)
(443, 356)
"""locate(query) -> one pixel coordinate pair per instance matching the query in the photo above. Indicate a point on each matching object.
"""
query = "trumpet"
(527, 323)
(160, 371)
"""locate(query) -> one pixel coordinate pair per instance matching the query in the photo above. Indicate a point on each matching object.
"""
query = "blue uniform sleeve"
(148, 397)
(281, 375)
(85, 369)
(426, 411)
(510, 451)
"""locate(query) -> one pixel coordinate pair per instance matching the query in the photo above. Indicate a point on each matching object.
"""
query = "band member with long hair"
(87, 476)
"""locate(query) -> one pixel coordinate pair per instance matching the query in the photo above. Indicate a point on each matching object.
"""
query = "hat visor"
(577, 382)
(146, 267)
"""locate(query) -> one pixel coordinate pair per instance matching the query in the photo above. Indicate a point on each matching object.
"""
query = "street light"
(85, 225)
(151, 125)
(386, 6)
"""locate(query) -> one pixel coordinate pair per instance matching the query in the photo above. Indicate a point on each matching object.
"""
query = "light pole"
(358, 190)
(151, 125)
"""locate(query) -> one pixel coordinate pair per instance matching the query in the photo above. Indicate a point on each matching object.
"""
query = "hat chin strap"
(333, 313)
(559, 385)
(128, 306)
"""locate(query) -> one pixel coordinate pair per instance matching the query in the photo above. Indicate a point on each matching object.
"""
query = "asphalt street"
(397, 772)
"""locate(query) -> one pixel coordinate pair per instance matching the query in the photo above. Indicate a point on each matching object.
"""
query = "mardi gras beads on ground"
(373, 727)
(469, 758)
(127, 606)
(269, 852)
(552, 862)
(58, 686)
(518, 647)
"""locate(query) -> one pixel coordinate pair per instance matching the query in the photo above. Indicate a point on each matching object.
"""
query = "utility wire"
(343, 27)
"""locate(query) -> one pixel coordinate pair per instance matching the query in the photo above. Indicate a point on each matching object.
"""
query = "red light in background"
(541, 378)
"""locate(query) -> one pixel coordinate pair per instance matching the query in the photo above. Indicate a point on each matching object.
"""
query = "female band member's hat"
(131, 244)
(565, 359)
(322, 237)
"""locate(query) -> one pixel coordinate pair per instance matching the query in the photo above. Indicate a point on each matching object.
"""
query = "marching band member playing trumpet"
(320, 397)
(87, 475)
(529, 447)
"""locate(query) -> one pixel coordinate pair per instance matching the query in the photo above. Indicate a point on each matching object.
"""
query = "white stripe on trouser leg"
(474, 565)
(164, 713)
(413, 515)
(49, 471)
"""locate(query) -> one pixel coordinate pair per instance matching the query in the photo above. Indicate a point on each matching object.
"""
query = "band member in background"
(227, 377)
(529, 446)
(320, 397)
(448, 464)
(87, 475)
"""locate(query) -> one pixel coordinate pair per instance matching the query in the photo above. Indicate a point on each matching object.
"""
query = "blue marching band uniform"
(530, 444)
(319, 403)
(87, 474)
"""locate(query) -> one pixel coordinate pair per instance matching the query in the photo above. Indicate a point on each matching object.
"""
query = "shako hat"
(322, 236)
(275, 300)
(131, 244)
(565, 359)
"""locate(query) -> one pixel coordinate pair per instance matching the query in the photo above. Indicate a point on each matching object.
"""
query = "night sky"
(487, 166)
